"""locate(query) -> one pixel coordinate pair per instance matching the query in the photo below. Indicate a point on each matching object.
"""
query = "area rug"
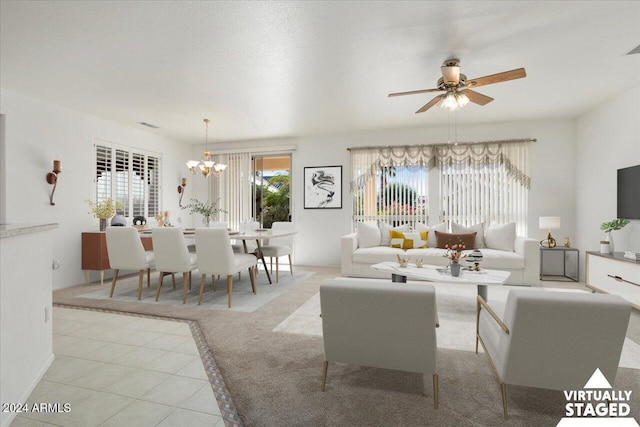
(275, 377)
(243, 297)
(456, 311)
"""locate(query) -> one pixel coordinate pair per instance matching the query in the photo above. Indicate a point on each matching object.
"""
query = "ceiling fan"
(457, 88)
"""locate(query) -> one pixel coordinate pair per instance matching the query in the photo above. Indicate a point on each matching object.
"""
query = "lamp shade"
(549, 222)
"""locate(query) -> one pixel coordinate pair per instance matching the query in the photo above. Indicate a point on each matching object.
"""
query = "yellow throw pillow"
(408, 240)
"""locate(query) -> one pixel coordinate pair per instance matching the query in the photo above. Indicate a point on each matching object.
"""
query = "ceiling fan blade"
(477, 98)
(497, 78)
(430, 104)
(414, 92)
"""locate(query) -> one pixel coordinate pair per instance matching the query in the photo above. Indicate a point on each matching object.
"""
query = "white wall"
(552, 170)
(25, 335)
(35, 131)
(607, 139)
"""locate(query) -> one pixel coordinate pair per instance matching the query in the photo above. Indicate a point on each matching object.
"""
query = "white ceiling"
(278, 69)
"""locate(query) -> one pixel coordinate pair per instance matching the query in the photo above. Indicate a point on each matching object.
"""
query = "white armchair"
(126, 252)
(552, 340)
(381, 325)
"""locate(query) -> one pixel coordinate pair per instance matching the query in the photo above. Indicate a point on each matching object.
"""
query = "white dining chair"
(125, 252)
(279, 246)
(215, 256)
(239, 247)
(218, 224)
(172, 256)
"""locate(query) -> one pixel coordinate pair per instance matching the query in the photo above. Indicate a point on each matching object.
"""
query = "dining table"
(259, 235)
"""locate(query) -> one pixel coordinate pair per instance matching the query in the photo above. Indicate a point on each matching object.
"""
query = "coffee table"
(432, 273)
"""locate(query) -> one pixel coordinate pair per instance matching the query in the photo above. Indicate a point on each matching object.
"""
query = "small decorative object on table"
(567, 242)
(419, 262)
(454, 253)
(103, 210)
(475, 257)
(402, 261)
(140, 222)
(163, 219)
(455, 268)
(206, 209)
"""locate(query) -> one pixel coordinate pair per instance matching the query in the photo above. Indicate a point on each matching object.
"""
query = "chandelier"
(453, 100)
(206, 166)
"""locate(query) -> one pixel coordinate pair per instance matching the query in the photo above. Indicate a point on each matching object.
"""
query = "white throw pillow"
(368, 235)
(384, 232)
(478, 228)
(501, 236)
(431, 237)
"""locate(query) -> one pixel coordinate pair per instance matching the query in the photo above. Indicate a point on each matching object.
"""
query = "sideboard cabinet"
(614, 274)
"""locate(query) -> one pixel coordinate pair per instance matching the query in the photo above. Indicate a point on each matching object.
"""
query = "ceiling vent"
(149, 125)
(636, 50)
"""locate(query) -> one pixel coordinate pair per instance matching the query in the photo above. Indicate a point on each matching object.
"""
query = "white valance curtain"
(367, 161)
(233, 188)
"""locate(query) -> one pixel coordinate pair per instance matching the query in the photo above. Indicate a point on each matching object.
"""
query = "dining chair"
(279, 246)
(125, 252)
(218, 224)
(215, 256)
(173, 256)
(239, 247)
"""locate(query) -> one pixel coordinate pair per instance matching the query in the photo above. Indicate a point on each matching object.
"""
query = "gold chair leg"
(229, 287)
(290, 265)
(503, 386)
(185, 283)
(277, 271)
(325, 365)
(478, 306)
(148, 277)
(140, 281)
(160, 277)
(113, 283)
(202, 280)
(435, 391)
(213, 281)
(173, 279)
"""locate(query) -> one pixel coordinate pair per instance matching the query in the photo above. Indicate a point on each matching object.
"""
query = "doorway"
(271, 188)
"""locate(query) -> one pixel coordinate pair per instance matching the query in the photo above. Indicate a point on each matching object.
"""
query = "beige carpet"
(274, 377)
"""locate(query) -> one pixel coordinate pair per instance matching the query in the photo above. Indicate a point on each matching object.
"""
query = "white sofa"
(520, 256)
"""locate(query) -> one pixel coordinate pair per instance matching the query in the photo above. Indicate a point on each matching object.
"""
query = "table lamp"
(549, 223)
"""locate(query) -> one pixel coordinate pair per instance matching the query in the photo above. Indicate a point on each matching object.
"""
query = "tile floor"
(119, 370)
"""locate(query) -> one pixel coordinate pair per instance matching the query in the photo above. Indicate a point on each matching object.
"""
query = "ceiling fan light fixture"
(449, 102)
(462, 99)
(451, 74)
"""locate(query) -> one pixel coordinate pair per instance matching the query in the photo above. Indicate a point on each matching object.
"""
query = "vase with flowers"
(206, 209)
(454, 253)
(103, 210)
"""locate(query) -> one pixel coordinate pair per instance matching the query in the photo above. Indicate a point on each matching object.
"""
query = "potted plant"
(454, 253)
(103, 210)
(613, 225)
(206, 209)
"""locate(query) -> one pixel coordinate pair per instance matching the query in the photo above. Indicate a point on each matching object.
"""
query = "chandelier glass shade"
(453, 100)
(206, 166)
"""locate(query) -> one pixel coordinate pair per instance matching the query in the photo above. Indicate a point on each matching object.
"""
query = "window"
(129, 176)
(393, 194)
(474, 183)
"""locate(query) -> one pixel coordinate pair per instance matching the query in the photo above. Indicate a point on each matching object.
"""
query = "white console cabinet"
(614, 274)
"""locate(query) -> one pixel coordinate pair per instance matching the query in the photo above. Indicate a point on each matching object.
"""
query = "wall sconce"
(181, 190)
(52, 178)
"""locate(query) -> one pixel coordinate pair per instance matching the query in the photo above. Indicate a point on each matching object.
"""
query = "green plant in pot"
(613, 225)
(206, 209)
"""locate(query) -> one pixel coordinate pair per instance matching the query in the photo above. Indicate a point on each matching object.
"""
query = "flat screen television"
(629, 192)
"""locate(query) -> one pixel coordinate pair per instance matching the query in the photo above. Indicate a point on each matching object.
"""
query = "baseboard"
(23, 399)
